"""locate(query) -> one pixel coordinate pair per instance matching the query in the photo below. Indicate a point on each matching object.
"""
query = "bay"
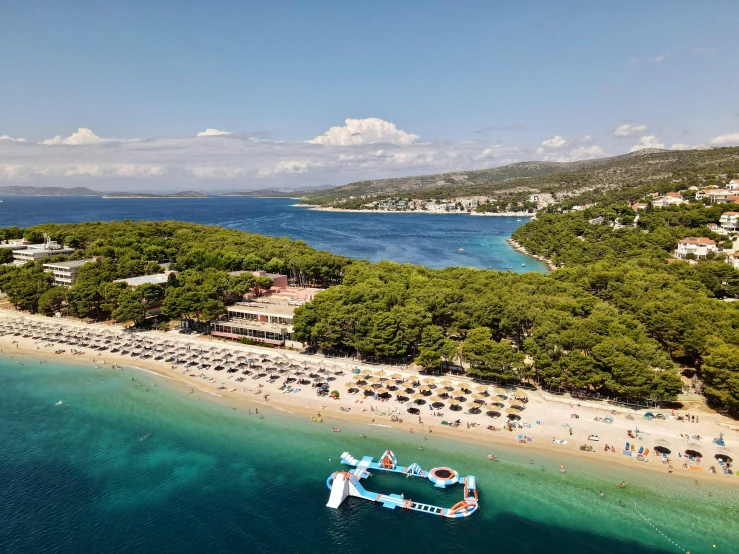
(77, 477)
(425, 239)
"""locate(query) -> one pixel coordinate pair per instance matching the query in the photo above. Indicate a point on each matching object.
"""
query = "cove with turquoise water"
(426, 239)
(77, 477)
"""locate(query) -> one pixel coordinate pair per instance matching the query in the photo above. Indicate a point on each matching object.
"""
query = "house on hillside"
(733, 184)
(669, 199)
(716, 228)
(639, 206)
(729, 221)
(699, 247)
(714, 195)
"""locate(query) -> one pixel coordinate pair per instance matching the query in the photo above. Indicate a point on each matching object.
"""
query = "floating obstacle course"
(343, 484)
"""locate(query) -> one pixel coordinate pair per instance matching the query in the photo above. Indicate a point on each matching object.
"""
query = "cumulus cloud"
(371, 130)
(212, 133)
(560, 149)
(679, 146)
(649, 141)
(629, 129)
(11, 139)
(554, 142)
(728, 139)
(82, 137)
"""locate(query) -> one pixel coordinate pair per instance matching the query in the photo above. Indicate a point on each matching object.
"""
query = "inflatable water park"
(343, 484)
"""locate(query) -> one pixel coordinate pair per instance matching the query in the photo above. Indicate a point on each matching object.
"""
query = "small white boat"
(60, 402)
(461, 249)
(519, 219)
(523, 265)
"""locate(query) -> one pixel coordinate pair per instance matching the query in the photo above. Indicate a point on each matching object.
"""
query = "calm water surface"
(78, 478)
(426, 239)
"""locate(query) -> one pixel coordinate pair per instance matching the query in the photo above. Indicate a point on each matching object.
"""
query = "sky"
(224, 95)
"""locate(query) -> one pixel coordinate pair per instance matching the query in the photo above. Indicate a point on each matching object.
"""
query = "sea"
(107, 461)
(426, 239)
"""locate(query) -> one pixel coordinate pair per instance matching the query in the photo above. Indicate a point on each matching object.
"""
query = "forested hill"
(47, 191)
(550, 177)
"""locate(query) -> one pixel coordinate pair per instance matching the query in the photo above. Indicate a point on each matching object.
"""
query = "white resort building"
(699, 247)
(65, 273)
(269, 321)
(24, 252)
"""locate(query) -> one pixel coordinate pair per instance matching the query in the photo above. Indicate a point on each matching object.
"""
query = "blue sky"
(478, 84)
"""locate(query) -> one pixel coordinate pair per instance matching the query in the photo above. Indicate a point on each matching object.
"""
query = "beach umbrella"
(436, 398)
(498, 404)
(500, 390)
(481, 388)
(479, 395)
(424, 389)
(350, 384)
(479, 401)
(396, 376)
(493, 413)
(511, 411)
(723, 457)
(359, 377)
(429, 380)
(380, 373)
(520, 394)
(516, 403)
(373, 380)
(445, 383)
(418, 396)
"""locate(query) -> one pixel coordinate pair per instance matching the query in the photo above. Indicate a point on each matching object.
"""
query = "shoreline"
(316, 208)
(372, 413)
(518, 248)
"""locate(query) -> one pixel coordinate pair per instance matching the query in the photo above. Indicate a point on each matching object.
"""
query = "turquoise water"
(425, 239)
(78, 478)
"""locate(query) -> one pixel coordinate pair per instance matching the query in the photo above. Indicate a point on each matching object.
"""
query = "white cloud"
(212, 133)
(679, 146)
(555, 142)
(364, 131)
(11, 139)
(82, 137)
(705, 51)
(725, 140)
(586, 152)
(628, 129)
(649, 141)
(11, 171)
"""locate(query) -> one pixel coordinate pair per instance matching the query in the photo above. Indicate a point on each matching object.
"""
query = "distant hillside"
(184, 194)
(48, 191)
(557, 178)
(278, 192)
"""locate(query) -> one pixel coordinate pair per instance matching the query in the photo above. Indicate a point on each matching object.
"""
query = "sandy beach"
(248, 378)
(518, 248)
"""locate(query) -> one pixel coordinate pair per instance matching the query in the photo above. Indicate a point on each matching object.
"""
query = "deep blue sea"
(77, 477)
(426, 239)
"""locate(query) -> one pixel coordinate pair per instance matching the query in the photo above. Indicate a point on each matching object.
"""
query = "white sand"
(554, 413)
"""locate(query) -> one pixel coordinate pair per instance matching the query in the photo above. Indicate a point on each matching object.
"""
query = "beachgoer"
(622, 484)
(601, 494)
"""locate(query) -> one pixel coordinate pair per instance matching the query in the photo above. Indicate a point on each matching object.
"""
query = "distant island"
(184, 194)
(48, 191)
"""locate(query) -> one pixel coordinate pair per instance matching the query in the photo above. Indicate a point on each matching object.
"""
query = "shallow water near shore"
(77, 477)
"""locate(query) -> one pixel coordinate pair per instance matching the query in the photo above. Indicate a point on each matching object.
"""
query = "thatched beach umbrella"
(516, 403)
(481, 388)
(511, 411)
(479, 395)
(396, 376)
(520, 394)
(445, 383)
(418, 396)
(500, 390)
(350, 384)
(429, 380)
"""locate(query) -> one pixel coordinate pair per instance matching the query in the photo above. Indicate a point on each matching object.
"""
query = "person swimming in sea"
(622, 484)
